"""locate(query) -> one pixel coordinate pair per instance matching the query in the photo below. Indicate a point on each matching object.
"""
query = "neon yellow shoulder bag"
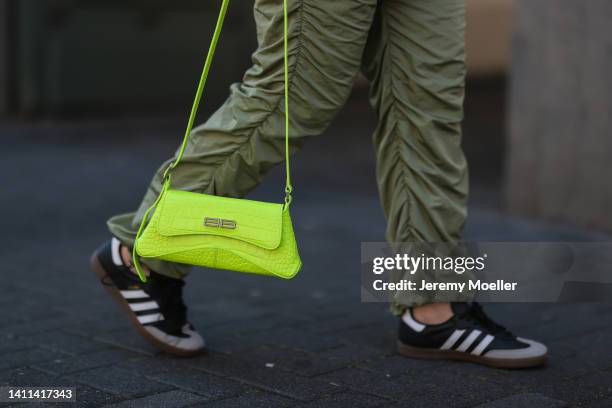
(219, 232)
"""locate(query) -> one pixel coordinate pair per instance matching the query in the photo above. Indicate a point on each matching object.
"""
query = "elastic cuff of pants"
(397, 310)
(126, 236)
(118, 226)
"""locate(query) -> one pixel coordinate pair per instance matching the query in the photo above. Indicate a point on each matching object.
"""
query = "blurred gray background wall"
(560, 146)
(102, 56)
(4, 58)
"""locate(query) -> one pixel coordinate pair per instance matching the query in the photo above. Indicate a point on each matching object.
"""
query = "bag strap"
(200, 91)
(167, 178)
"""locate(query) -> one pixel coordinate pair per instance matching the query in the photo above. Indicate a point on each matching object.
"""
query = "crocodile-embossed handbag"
(219, 232)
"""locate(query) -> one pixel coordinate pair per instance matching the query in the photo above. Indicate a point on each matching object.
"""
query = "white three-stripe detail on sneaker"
(469, 340)
(483, 345)
(413, 324)
(134, 294)
(115, 245)
(139, 307)
(452, 339)
(150, 318)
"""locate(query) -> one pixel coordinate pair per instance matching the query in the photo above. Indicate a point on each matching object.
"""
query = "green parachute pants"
(412, 52)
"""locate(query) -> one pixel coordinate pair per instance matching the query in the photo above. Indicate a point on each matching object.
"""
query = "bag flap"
(187, 213)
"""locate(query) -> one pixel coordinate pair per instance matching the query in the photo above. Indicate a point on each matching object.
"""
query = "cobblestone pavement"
(308, 342)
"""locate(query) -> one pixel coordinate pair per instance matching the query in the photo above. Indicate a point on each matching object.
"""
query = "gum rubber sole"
(436, 354)
(97, 268)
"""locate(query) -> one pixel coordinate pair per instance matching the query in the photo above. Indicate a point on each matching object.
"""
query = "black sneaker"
(155, 308)
(470, 335)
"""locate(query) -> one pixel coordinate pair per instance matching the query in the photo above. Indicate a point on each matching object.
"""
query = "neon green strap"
(288, 186)
(135, 258)
(192, 116)
(200, 90)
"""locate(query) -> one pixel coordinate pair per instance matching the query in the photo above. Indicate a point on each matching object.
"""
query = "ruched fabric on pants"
(412, 52)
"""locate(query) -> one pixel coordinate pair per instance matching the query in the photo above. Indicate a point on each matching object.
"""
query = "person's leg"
(240, 142)
(415, 60)
(229, 153)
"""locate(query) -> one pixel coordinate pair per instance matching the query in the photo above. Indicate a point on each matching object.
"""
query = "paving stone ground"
(308, 342)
